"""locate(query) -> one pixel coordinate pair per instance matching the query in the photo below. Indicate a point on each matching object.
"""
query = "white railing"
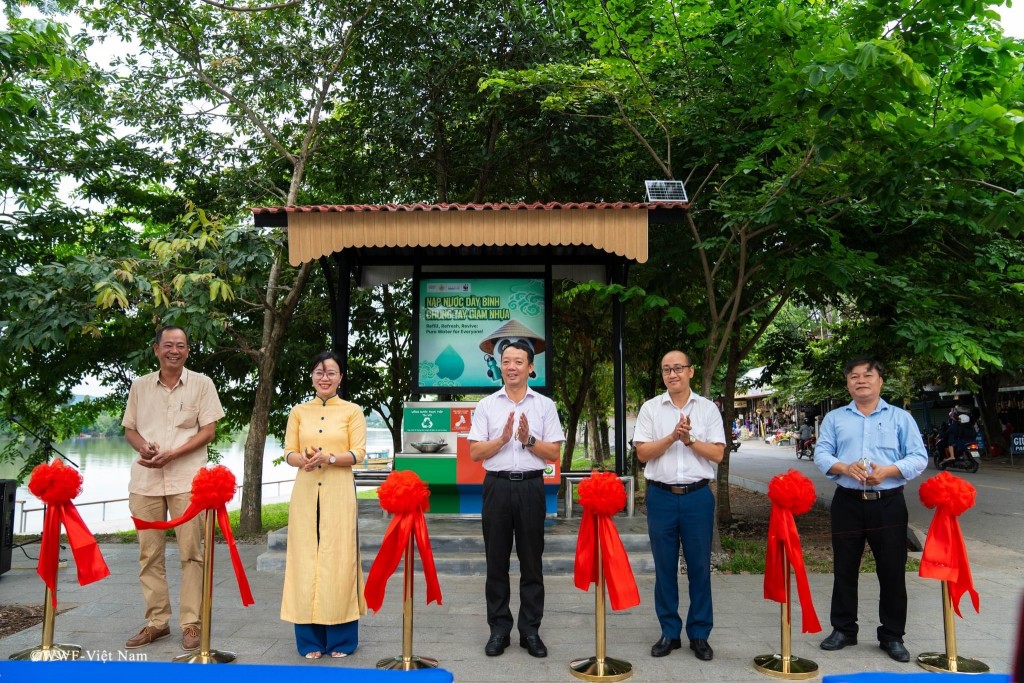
(26, 511)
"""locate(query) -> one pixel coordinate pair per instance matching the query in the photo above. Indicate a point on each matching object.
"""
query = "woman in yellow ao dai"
(323, 582)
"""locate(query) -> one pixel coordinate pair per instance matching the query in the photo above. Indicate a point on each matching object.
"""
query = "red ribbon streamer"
(787, 491)
(392, 548)
(220, 509)
(56, 485)
(945, 554)
(597, 527)
(622, 590)
(88, 559)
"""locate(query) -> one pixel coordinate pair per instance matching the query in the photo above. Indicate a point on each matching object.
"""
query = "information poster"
(463, 324)
(427, 420)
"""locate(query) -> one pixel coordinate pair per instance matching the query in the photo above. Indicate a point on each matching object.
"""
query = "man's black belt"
(680, 490)
(516, 476)
(869, 494)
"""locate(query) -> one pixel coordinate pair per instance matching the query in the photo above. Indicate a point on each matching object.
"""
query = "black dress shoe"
(837, 641)
(534, 645)
(496, 645)
(664, 646)
(701, 649)
(896, 650)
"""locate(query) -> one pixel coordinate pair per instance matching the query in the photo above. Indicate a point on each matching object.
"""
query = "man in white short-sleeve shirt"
(679, 435)
(515, 433)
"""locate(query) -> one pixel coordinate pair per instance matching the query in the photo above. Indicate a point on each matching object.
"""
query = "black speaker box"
(8, 489)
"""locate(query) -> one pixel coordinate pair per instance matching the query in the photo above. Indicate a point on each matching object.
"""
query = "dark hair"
(522, 346)
(870, 362)
(319, 359)
(169, 328)
(688, 360)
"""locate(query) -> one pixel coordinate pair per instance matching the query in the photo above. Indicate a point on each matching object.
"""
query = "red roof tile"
(489, 206)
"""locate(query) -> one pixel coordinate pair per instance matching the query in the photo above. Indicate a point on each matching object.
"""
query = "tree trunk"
(572, 425)
(588, 437)
(728, 413)
(574, 407)
(988, 401)
(606, 448)
(594, 441)
(397, 370)
(277, 317)
(395, 426)
(251, 518)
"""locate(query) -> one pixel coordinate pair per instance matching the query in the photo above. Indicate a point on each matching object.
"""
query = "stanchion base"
(402, 664)
(54, 653)
(607, 669)
(938, 661)
(211, 657)
(776, 666)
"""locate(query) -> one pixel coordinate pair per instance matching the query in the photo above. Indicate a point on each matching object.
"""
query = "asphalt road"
(996, 519)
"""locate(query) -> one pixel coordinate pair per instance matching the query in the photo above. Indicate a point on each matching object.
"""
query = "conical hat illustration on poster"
(511, 331)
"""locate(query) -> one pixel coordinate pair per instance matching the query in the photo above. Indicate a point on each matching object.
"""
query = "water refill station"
(481, 277)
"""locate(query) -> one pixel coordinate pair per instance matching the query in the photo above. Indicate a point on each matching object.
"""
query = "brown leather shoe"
(147, 635)
(190, 637)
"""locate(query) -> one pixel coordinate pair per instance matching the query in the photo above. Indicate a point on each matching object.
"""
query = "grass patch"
(582, 464)
(747, 556)
(867, 563)
(128, 536)
(273, 516)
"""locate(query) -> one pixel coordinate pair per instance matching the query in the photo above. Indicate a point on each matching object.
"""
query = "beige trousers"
(152, 569)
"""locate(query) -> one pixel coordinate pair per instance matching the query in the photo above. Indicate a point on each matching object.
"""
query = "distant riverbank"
(106, 463)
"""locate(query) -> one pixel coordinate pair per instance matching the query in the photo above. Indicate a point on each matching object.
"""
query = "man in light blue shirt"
(870, 449)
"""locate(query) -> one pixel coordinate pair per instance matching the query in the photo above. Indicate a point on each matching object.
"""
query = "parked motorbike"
(935, 442)
(967, 459)
(735, 440)
(805, 448)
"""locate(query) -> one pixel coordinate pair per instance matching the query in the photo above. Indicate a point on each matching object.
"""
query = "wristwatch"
(531, 442)
(333, 459)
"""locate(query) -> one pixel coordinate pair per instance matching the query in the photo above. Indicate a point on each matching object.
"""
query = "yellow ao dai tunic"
(323, 582)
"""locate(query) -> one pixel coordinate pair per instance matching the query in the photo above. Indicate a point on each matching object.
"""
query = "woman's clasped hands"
(313, 458)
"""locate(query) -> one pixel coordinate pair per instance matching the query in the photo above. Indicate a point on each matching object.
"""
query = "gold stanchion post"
(785, 665)
(207, 655)
(949, 660)
(599, 667)
(407, 661)
(48, 651)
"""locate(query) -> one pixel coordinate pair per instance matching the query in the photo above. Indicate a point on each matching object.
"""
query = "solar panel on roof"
(666, 191)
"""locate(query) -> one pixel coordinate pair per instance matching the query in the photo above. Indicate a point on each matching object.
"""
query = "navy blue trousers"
(326, 639)
(672, 518)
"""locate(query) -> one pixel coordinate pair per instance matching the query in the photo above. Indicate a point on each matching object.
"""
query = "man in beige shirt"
(170, 418)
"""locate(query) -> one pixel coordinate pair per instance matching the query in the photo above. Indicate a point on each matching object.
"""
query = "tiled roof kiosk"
(481, 276)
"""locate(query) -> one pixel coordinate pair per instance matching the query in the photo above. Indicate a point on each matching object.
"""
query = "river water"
(105, 464)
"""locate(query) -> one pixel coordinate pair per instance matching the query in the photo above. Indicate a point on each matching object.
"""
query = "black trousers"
(514, 510)
(883, 524)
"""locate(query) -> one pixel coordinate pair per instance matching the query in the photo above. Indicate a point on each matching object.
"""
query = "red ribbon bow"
(791, 494)
(602, 495)
(404, 495)
(56, 485)
(945, 555)
(212, 488)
